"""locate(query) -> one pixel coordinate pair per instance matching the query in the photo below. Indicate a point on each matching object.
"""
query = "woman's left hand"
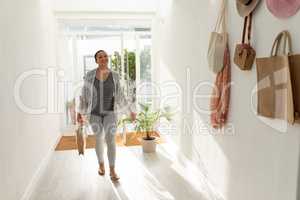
(133, 116)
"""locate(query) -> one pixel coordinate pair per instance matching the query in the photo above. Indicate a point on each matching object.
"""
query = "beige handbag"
(278, 82)
(81, 136)
(218, 41)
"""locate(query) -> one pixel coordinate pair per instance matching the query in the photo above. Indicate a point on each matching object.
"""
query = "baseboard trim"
(29, 191)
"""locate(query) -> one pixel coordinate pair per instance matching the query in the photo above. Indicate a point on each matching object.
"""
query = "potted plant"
(144, 123)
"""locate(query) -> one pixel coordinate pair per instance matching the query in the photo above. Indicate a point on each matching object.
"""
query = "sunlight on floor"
(137, 182)
(165, 175)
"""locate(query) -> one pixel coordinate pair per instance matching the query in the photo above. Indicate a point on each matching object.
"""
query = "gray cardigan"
(121, 105)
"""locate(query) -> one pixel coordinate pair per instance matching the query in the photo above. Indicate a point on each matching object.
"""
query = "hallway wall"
(258, 160)
(27, 42)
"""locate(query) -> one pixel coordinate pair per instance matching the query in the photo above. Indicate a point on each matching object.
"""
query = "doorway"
(129, 48)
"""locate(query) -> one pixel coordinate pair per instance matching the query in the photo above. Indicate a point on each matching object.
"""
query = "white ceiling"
(106, 5)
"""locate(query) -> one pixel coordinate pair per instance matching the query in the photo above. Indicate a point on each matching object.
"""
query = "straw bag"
(218, 41)
(244, 55)
(278, 79)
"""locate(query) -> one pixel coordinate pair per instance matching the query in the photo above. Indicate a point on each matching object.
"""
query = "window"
(128, 47)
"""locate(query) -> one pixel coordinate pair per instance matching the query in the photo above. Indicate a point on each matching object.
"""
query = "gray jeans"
(104, 127)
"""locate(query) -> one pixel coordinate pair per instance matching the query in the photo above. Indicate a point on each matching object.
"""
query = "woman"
(102, 99)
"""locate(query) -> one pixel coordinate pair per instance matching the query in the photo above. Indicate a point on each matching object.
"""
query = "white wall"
(258, 161)
(27, 41)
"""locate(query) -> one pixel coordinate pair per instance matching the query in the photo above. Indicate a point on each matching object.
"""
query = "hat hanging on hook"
(245, 7)
(283, 8)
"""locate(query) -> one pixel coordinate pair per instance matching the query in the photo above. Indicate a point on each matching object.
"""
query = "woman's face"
(102, 59)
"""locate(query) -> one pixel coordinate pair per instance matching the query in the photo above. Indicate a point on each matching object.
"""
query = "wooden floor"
(166, 175)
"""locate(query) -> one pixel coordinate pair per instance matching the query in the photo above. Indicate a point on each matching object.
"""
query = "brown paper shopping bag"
(294, 62)
(275, 94)
(295, 76)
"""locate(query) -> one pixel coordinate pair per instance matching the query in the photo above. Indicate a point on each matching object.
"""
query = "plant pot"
(149, 146)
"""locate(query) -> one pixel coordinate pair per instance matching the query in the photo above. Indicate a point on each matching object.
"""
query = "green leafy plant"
(147, 118)
(129, 63)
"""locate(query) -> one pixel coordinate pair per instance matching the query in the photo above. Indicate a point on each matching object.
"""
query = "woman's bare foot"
(113, 175)
(101, 170)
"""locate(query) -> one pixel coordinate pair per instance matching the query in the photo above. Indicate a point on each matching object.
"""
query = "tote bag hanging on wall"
(294, 61)
(277, 87)
(218, 41)
(295, 76)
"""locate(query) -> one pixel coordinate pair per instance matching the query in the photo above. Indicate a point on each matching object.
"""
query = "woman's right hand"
(80, 118)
